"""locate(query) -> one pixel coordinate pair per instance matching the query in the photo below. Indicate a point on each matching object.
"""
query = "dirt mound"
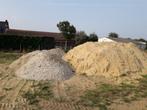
(42, 65)
(107, 59)
(1, 70)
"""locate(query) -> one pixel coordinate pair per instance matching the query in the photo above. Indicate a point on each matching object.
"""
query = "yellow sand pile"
(107, 59)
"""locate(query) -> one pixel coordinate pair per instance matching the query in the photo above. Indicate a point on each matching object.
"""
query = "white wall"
(104, 39)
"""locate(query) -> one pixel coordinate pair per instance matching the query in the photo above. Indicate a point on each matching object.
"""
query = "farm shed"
(25, 43)
(11, 39)
(141, 45)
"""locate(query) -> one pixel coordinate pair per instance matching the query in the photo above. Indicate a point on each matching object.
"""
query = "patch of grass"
(43, 90)
(31, 97)
(7, 58)
(103, 107)
(106, 94)
(98, 97)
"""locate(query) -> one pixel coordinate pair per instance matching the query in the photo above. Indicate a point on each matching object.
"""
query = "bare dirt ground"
(12, 88)
(20, 94)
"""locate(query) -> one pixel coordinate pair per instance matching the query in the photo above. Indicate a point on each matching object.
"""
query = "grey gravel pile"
(43, 65)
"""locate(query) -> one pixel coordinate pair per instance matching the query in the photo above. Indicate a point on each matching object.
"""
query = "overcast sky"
(128, 18)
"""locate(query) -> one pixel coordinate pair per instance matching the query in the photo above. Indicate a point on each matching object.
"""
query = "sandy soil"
(12, 87)
(124, 61)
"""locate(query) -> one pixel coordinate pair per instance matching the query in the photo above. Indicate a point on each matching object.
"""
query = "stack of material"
(42, 65)
(107, 59)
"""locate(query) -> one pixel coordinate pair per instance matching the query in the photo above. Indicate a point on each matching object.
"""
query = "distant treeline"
(25, 43)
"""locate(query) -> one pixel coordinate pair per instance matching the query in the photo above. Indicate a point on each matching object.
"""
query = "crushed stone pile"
(108, 59)
(42, 65)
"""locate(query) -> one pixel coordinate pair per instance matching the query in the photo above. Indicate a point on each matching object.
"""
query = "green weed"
(43, 90)
(106, 94)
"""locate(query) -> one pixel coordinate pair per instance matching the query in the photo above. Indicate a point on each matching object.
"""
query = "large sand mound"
(42, 65)
(107, 59)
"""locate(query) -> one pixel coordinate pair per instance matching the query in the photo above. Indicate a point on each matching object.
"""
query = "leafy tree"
(68, 31)
(113, 35)
(141, 39)
(93, 37)
(81, 37)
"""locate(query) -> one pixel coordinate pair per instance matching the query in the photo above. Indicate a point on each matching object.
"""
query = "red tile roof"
(57, 36)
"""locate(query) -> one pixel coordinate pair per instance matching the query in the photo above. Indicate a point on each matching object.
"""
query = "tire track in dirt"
(2, 85)
(12, 106)
(52, 105)
(4, 76)
(12, 83)
(24, 89)
(4, 80)
(12, 95)
(15, 101)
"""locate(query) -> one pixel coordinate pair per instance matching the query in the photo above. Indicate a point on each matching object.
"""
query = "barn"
(16, 39)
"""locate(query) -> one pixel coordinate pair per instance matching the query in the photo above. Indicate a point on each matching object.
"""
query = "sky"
(128, 18)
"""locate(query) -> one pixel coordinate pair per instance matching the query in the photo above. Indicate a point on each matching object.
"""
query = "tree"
(81, 37)
(68, 31)
(113, 35)
(93, 37)
(141, 39)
